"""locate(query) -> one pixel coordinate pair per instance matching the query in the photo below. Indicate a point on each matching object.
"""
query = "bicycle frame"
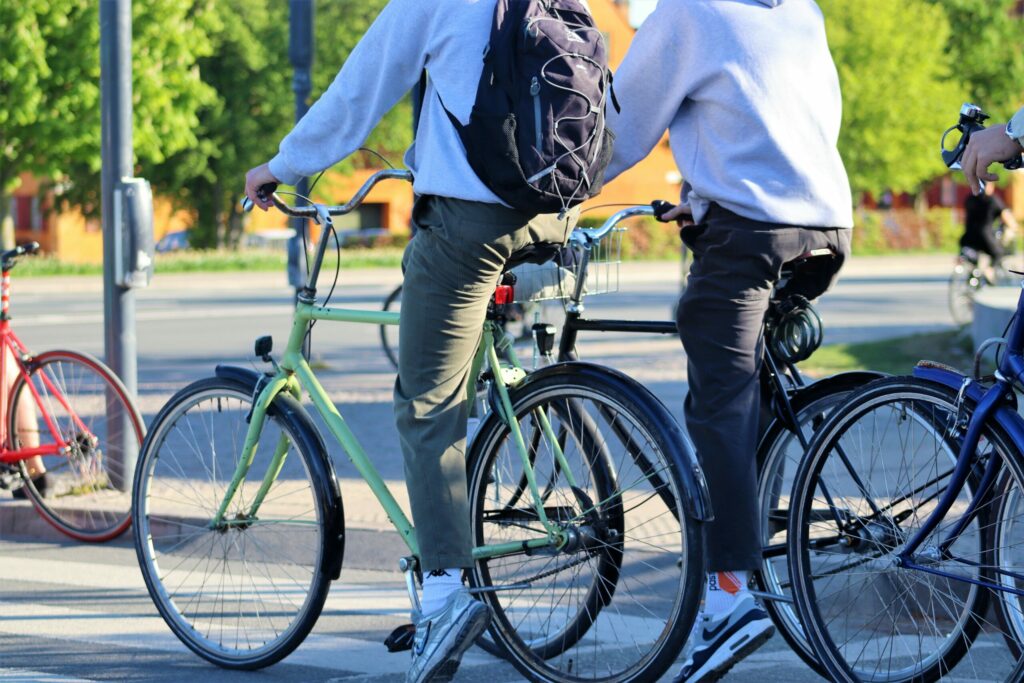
(294, 375)
(12, 345)
(996, 404)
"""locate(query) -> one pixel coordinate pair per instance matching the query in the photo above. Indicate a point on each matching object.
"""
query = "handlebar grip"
(30, 247)
(661, 207)
(263, 192)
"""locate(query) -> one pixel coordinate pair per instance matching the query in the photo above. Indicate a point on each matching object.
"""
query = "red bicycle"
(69, 433)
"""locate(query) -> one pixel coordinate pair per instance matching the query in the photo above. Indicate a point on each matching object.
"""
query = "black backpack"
(537, 136)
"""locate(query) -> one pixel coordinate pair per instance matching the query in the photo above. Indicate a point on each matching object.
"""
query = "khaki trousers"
(451, 267)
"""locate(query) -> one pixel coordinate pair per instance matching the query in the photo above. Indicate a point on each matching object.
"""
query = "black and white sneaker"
(722, 640)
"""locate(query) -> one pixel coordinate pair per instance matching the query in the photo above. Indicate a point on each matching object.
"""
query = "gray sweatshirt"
(750, 96)
(447, 37)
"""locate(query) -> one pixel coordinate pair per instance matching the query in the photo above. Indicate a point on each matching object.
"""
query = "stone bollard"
(993, 307)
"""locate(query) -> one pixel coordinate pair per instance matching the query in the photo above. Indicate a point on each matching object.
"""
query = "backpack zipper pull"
(538, 136)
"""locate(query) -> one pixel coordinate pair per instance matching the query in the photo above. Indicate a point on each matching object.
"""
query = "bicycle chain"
(551, 572)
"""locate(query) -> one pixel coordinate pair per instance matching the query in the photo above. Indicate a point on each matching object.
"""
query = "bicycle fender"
(864, 376)
(696, 497)
(290, 410)
(1005, 415)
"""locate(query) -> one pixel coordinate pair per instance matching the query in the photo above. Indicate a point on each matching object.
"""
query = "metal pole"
(116, 107)
(300, 52)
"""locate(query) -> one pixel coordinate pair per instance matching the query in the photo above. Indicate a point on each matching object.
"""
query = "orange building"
(71, 237)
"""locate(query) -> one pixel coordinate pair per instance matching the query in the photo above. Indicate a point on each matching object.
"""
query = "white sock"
(437, 586)
(723, 590)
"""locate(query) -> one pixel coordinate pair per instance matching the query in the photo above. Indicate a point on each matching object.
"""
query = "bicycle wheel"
(389, 333)
(242, 594)
(872, 476)
(964, 284)
(83, 405)
(617, 601)
(778, 456)
(1007, 535)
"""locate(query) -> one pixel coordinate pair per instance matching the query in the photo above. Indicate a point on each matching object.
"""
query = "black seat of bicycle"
(538, 252)
(790, 267)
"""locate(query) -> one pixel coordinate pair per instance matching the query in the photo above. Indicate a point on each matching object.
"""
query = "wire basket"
(556, 279)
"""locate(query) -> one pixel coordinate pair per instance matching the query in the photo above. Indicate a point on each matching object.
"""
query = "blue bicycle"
(906, 528)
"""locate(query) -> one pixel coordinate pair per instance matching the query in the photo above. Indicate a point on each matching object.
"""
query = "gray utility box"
(133, 216)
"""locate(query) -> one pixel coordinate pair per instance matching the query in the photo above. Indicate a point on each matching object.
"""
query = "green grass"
(896, 356)
(218, 262)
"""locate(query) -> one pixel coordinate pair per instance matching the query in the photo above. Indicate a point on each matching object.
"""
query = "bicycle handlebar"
(972, 120)
(588, 236)
(321, 210)
(7, 258)
(580, 236)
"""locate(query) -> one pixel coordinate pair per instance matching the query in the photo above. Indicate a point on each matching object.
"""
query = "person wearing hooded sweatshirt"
(750, 96)
(464, 237)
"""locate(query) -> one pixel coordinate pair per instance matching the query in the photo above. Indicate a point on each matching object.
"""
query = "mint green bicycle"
(586, 500)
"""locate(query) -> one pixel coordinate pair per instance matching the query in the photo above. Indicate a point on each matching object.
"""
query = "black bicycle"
(793, 406)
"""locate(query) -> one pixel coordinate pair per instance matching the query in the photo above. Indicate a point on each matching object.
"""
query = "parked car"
(172, 241)
(268, 239)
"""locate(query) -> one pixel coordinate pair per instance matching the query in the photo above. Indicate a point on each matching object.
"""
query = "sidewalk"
(896, 265)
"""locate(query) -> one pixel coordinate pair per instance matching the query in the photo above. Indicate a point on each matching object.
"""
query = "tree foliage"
(211, 92)
(899, 93)
(986, 53)
(50, 88)
(250, 72)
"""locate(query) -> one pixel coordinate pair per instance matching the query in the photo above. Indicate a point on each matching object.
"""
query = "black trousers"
(736, 262)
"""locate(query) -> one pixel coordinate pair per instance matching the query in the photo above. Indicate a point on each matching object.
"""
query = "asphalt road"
(73, 612)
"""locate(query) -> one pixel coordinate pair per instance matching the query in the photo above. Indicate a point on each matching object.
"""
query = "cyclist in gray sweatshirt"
(750, 97)
(465, 236)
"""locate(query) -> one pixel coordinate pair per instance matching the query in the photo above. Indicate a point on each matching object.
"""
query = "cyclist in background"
(750, 97)
(980, 214)
(464, 237)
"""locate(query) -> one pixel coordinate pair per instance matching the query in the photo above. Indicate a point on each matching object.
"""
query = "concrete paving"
(87, 603)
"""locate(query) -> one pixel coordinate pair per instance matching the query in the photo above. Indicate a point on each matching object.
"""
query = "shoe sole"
(711, 671)
(446, 669)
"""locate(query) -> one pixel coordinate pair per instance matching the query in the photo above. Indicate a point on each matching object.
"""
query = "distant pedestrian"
(981, 213)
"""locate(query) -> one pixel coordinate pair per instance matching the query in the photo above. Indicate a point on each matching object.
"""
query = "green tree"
(340, 24)
(50, 89)
(249, 69)
(899, 93)
(986, 52)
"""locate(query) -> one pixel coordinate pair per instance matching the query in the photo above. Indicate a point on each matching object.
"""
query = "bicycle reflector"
(503, 295)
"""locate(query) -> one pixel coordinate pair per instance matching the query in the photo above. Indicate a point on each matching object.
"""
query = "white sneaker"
(721, 640)
(444, 636)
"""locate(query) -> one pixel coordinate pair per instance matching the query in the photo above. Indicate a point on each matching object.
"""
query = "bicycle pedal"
(401, 639)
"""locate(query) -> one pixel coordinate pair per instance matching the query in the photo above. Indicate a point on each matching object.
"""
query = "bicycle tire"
(589, 638)
(945, 634)
(389, 333)
(964, 284)
(236, 611)
(1009, 607)
(88, 494)
(778, 454)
